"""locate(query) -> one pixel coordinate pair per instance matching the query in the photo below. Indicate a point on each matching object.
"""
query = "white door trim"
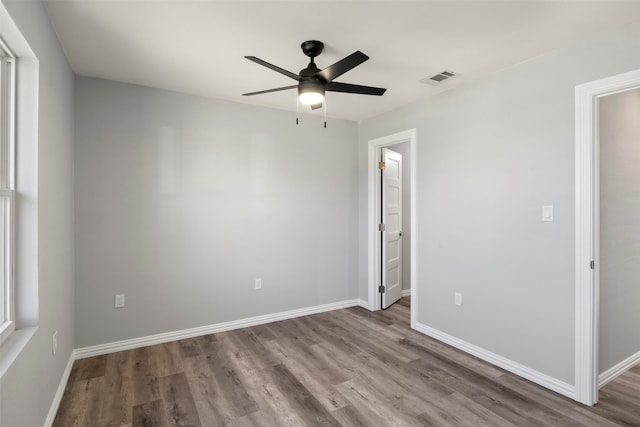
(373, 236)
(587, 228)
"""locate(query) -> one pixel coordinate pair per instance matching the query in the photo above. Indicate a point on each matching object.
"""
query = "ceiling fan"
(313, 82)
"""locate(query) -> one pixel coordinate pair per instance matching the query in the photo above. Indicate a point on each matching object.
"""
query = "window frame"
(7, 186)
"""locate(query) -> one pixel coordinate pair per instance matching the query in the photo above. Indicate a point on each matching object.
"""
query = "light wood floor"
(348, 367)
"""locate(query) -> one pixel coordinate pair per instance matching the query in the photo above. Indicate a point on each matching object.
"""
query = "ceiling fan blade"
(270, 90)
(339, 68)
(273, 67)
(349, 88)
(316, 106)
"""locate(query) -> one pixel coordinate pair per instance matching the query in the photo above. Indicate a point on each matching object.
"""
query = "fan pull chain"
(324, 104)
(297, 109)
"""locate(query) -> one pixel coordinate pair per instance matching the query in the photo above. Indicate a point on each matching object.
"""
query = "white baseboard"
(129, 344)
(406, 292)
(364, 304)
(524, 371)
(57, 398)
(619, 369)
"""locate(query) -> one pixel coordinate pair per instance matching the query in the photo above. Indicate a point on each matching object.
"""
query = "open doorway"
(588, 256)
(618, 217)
(405, 142)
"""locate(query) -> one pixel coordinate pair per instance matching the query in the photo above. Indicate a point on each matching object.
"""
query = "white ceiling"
(198, 47)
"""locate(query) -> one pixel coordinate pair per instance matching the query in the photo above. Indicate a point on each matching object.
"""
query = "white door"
(391, 234)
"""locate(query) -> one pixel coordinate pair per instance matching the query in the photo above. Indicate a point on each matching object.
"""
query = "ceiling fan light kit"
(311, 92)
(313, 83)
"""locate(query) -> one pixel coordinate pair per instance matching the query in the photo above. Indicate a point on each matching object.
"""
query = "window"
(7, 197)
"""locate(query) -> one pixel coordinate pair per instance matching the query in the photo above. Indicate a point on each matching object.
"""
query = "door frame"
(587, 238)
(373, 235)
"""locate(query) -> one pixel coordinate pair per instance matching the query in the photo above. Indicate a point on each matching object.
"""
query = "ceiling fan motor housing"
(310, 81)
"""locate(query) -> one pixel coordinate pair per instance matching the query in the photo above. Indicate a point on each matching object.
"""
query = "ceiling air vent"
(438, 78)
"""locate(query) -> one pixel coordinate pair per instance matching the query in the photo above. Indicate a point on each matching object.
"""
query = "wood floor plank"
(367, 400)
(619, 408)
(262, 418)
(385, 388)
(252, 349)
(212, 404)
(80, 403)
(309, 359)
(285, 330)
(149, 415)
(450, 352)
(274, 406)
(507, 403)
(91, 367)
(179, 406)
(317, 381)
(579, 413)
(219, 357)
(189, 347)
(393, 355)
(306, 404)
(146, 387)
(328, 334)
(167, 357)
(348, 367)
(263, 332)
(349, 416)
(411, 381)
(284, 348)
(118, 393)
(457, 410)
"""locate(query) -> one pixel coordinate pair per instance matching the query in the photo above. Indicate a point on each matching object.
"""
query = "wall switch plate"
(54, 342)
(547, 213)
(119, 303)
(258, 283)
(457, 298)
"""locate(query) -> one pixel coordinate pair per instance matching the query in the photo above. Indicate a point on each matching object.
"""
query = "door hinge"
(381, 289)
(381, 227)
(593, 265)
(381, 165)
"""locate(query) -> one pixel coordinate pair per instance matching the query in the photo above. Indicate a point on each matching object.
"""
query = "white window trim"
(7, 184)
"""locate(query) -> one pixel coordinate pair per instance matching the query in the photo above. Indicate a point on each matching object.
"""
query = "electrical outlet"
(457, 298)
(54, 342)
(258, 283)
(119, 303)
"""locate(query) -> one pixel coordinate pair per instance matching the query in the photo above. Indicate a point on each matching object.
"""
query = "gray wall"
(181, 202)
(490, 153)
(404, 149)
(28, 387)
(619, 228)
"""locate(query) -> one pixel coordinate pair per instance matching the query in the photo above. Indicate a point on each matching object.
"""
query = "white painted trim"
(373, 268)
(587, 228)
(13, 346)
(57, 398)
(363, 303)
(521, 370)
(406, 292)
(413, 249)
(619, 369)
(129, 344)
